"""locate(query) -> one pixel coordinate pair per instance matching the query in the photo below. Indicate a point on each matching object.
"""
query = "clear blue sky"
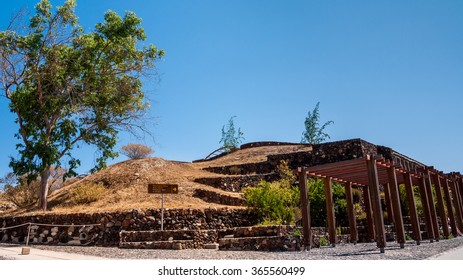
(389, 72)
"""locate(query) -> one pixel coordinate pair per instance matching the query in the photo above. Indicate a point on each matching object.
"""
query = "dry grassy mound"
(123, 186)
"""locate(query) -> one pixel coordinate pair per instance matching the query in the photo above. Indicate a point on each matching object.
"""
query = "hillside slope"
(126, 182)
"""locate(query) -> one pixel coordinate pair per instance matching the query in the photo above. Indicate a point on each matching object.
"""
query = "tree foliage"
(136, 151)
(231, 137)
(314, 133)
(66, 87)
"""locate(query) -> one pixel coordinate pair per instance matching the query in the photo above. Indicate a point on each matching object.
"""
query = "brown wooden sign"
(163, 188)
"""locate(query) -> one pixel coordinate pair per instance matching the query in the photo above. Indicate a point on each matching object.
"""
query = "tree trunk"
(44, 188)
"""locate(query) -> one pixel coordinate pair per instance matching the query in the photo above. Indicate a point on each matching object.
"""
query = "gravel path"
(363, 251)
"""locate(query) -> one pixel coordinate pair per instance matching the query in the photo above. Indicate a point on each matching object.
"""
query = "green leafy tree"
(231, 137)
(314, 133)
(67, 87)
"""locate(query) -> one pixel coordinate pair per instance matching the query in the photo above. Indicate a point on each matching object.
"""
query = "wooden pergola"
(373, 171)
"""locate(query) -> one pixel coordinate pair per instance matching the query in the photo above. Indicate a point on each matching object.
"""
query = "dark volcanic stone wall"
(214, 197)
(341, 150)
(110, 224)
(236, 183)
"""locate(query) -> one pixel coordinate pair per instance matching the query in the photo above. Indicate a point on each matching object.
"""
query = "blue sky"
(389, 72)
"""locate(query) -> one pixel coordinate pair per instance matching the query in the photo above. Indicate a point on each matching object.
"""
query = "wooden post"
(376, 204)
(426, 212)
(456, 201)
(459, 195)
(369, 212)
(305, 209)
(387, 198)
(440, 204)
(448, 202)
(351, 213)
(395, 200)
(432, 207)
(412, 206)
(330, 211)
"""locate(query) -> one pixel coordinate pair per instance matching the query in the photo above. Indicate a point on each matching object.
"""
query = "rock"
(177, 246)
(212, 246)
(74, 242)
(126, 223)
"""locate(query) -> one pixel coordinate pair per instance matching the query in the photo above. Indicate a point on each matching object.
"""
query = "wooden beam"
(457, 203)
(412, 208)
(448, 202)
(426, 212)
(387, 198)
(351, 213)
(432, 206)
(440, 205)
(395, 200)
(330, 211)
(305, 209)
(376, 204)
(459, 194)
(369, 212)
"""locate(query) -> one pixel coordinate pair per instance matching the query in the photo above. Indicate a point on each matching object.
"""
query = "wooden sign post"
(162, 189)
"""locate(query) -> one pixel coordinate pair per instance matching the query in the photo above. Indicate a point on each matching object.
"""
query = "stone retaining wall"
(214, 197)
(236, 183)
(110, 224)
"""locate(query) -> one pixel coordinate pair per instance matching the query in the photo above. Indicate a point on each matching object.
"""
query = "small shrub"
(296, 233)
(322, 241)
(136, 151)
(22, 195)
(87, 193)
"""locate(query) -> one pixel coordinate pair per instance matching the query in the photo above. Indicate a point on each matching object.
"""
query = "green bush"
(404, 202)
(318, 203)
(272, 202)
(87, 193)
(275, 202)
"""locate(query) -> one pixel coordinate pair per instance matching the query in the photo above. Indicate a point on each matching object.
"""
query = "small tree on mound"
(136, 151)
(314, 133)
(231, 138)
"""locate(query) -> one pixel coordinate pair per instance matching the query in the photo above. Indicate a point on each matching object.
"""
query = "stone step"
(215, 197)
(161, 245)
(261, 243)
(257, 231)
(203, 236)
(236, 183)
